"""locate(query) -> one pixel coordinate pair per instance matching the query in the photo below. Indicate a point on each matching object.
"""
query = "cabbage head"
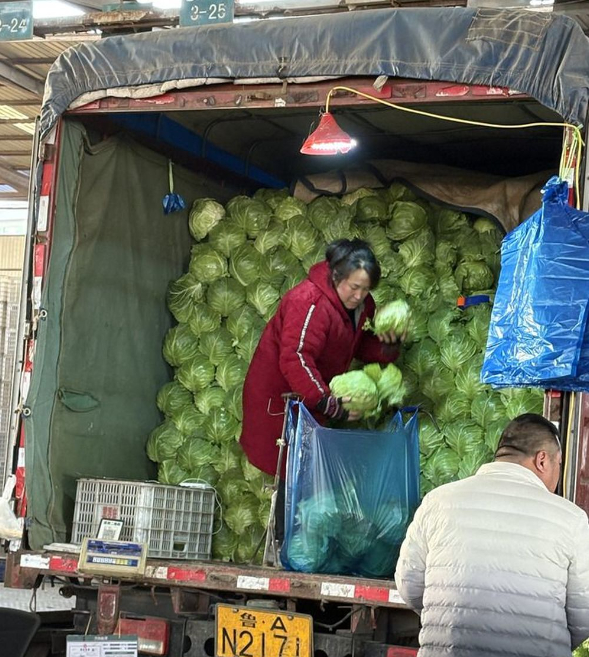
(275, 266)
(244, 265)
(372, 208)
(493, 433)
(457, 350)
(339, 228)
(196, 374)
(228, 458)
(407, 220)
(204, 320)
(391, 389)
(205, 214)
(448, 288)
(247, 346)
(220, 426)
(422, 357)
(374, 371)
(486, 225)
(225, 296)
(204, 473)
(472, 461)
(418, 282)
(183, 295)
(359, 387)
(226, 237)
(446, 256)
(188, 420)
(487, 408)
(353, 197)
(163, 442)
(449, 223)
(206, 264)
(242, 321)
(392, 267)
(169, 472)
(473, 276)
(251, 215)
(464, 436)
(292, 279)
(230, 372)
(231, 486)
(273, 237)
(264, 298)
(442, 323)
(430, 438)
(233, 401)
(325, 210)
(382, 295)
(211, 397)
(272, 197)
(196, 453)
(172, 398)
(250, 548)
(442, 466)
(394, 316)
(290, 207)
(452, 407)
(180, 345)
(225, 542)
(437, 384)
(398, 192)
(477, 326)
(419, 249)
(303, 237)
(216, 346)
(468, 379)
(417, 324)
(518, 401)
(376, 236)
(317, 254)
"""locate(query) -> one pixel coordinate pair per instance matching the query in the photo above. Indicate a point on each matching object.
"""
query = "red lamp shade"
(328, 138)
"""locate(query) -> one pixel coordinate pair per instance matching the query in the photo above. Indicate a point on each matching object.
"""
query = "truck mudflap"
(24, 568)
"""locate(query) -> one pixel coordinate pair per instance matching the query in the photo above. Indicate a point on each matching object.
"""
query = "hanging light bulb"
(328, 138)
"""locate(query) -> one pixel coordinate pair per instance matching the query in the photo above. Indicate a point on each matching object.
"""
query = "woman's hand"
(392, 338)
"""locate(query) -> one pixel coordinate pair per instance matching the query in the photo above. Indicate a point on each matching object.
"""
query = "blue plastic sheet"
(349, 496)
(539, 332)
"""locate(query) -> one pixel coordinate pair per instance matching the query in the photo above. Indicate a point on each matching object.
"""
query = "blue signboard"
(206, 12)
(16, 21)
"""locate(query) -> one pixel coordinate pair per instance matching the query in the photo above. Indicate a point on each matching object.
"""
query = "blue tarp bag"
(349, 495)
(539, 333)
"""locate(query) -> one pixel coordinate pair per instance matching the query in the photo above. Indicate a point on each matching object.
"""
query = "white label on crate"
(43, 216)
(395, 597)
(34, 561)
(333, 590)
(253, 583)
(156, 572)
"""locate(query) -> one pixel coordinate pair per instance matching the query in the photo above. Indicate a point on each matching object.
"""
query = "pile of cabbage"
(246, 255)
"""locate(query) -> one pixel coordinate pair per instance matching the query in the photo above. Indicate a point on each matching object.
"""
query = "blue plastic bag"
(539, 333)
(349, 496)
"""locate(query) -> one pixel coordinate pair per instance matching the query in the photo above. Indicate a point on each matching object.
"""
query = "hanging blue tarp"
(544, 55)
(539, 331)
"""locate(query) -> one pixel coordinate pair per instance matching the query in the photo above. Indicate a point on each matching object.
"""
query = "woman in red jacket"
(314, 335)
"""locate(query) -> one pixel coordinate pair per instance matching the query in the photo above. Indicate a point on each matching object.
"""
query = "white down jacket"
(497, 566)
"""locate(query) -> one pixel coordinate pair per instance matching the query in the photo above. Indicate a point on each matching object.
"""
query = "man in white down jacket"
(496, 564)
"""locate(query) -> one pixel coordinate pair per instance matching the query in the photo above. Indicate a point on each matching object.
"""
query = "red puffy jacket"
(309, 340)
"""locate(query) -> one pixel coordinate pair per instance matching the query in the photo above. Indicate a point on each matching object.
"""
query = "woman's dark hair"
(345, 256)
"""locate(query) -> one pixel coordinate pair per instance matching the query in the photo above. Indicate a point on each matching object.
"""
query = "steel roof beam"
(19, 79)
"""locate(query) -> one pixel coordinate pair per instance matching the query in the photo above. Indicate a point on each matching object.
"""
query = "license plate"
(247, 632)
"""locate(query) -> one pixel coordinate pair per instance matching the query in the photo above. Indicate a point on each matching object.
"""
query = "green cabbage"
(430, 437)
(172, 398)
(442, 466)
(371, 208)
(477, 326)
(272, 197)
(418, 282)
(325, 210)
(407, 220)
(487, 408)
(211, 397)
(229, 457)
(250, 548)
(464, 436)
(456, 350)
(206, 264)
(437, 384)
(452, 407)
(216, 346)
(377, 238)
(220, 426)
(271, 238)
(233, 401)
(303, 237)
(359, 387)
(227, 237)
(196, 453)
(242, 321)
(242, 513)
(473, 276)
(394, 316)
(183, 295)
(231, 485)
(315, 255)
(163, 442)
(468, 378)
(290, 207)
(196, 374)
(442, 323)
(446, 256)
(391, 389)
(244, 265)
(397, 191)
(180, 345)
(472, 461)
(422, 357)
(205, 214)
(246, 347)
(169, 472)
(225, 544)
(252, 215)
(264, 298)
(339, 228)
(188, 420)
(225, 296)
(419, 249)
(484, 225)
(230, 372)
(353, 197)
(204, 320)
(449, 223)
(518, 401)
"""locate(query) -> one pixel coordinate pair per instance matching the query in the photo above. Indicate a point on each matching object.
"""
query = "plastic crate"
(174, 522)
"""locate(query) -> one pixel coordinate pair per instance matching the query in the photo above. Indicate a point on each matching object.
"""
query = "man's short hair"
(527, 435)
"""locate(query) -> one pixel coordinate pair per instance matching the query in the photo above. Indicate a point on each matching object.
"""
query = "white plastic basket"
(174, 522)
